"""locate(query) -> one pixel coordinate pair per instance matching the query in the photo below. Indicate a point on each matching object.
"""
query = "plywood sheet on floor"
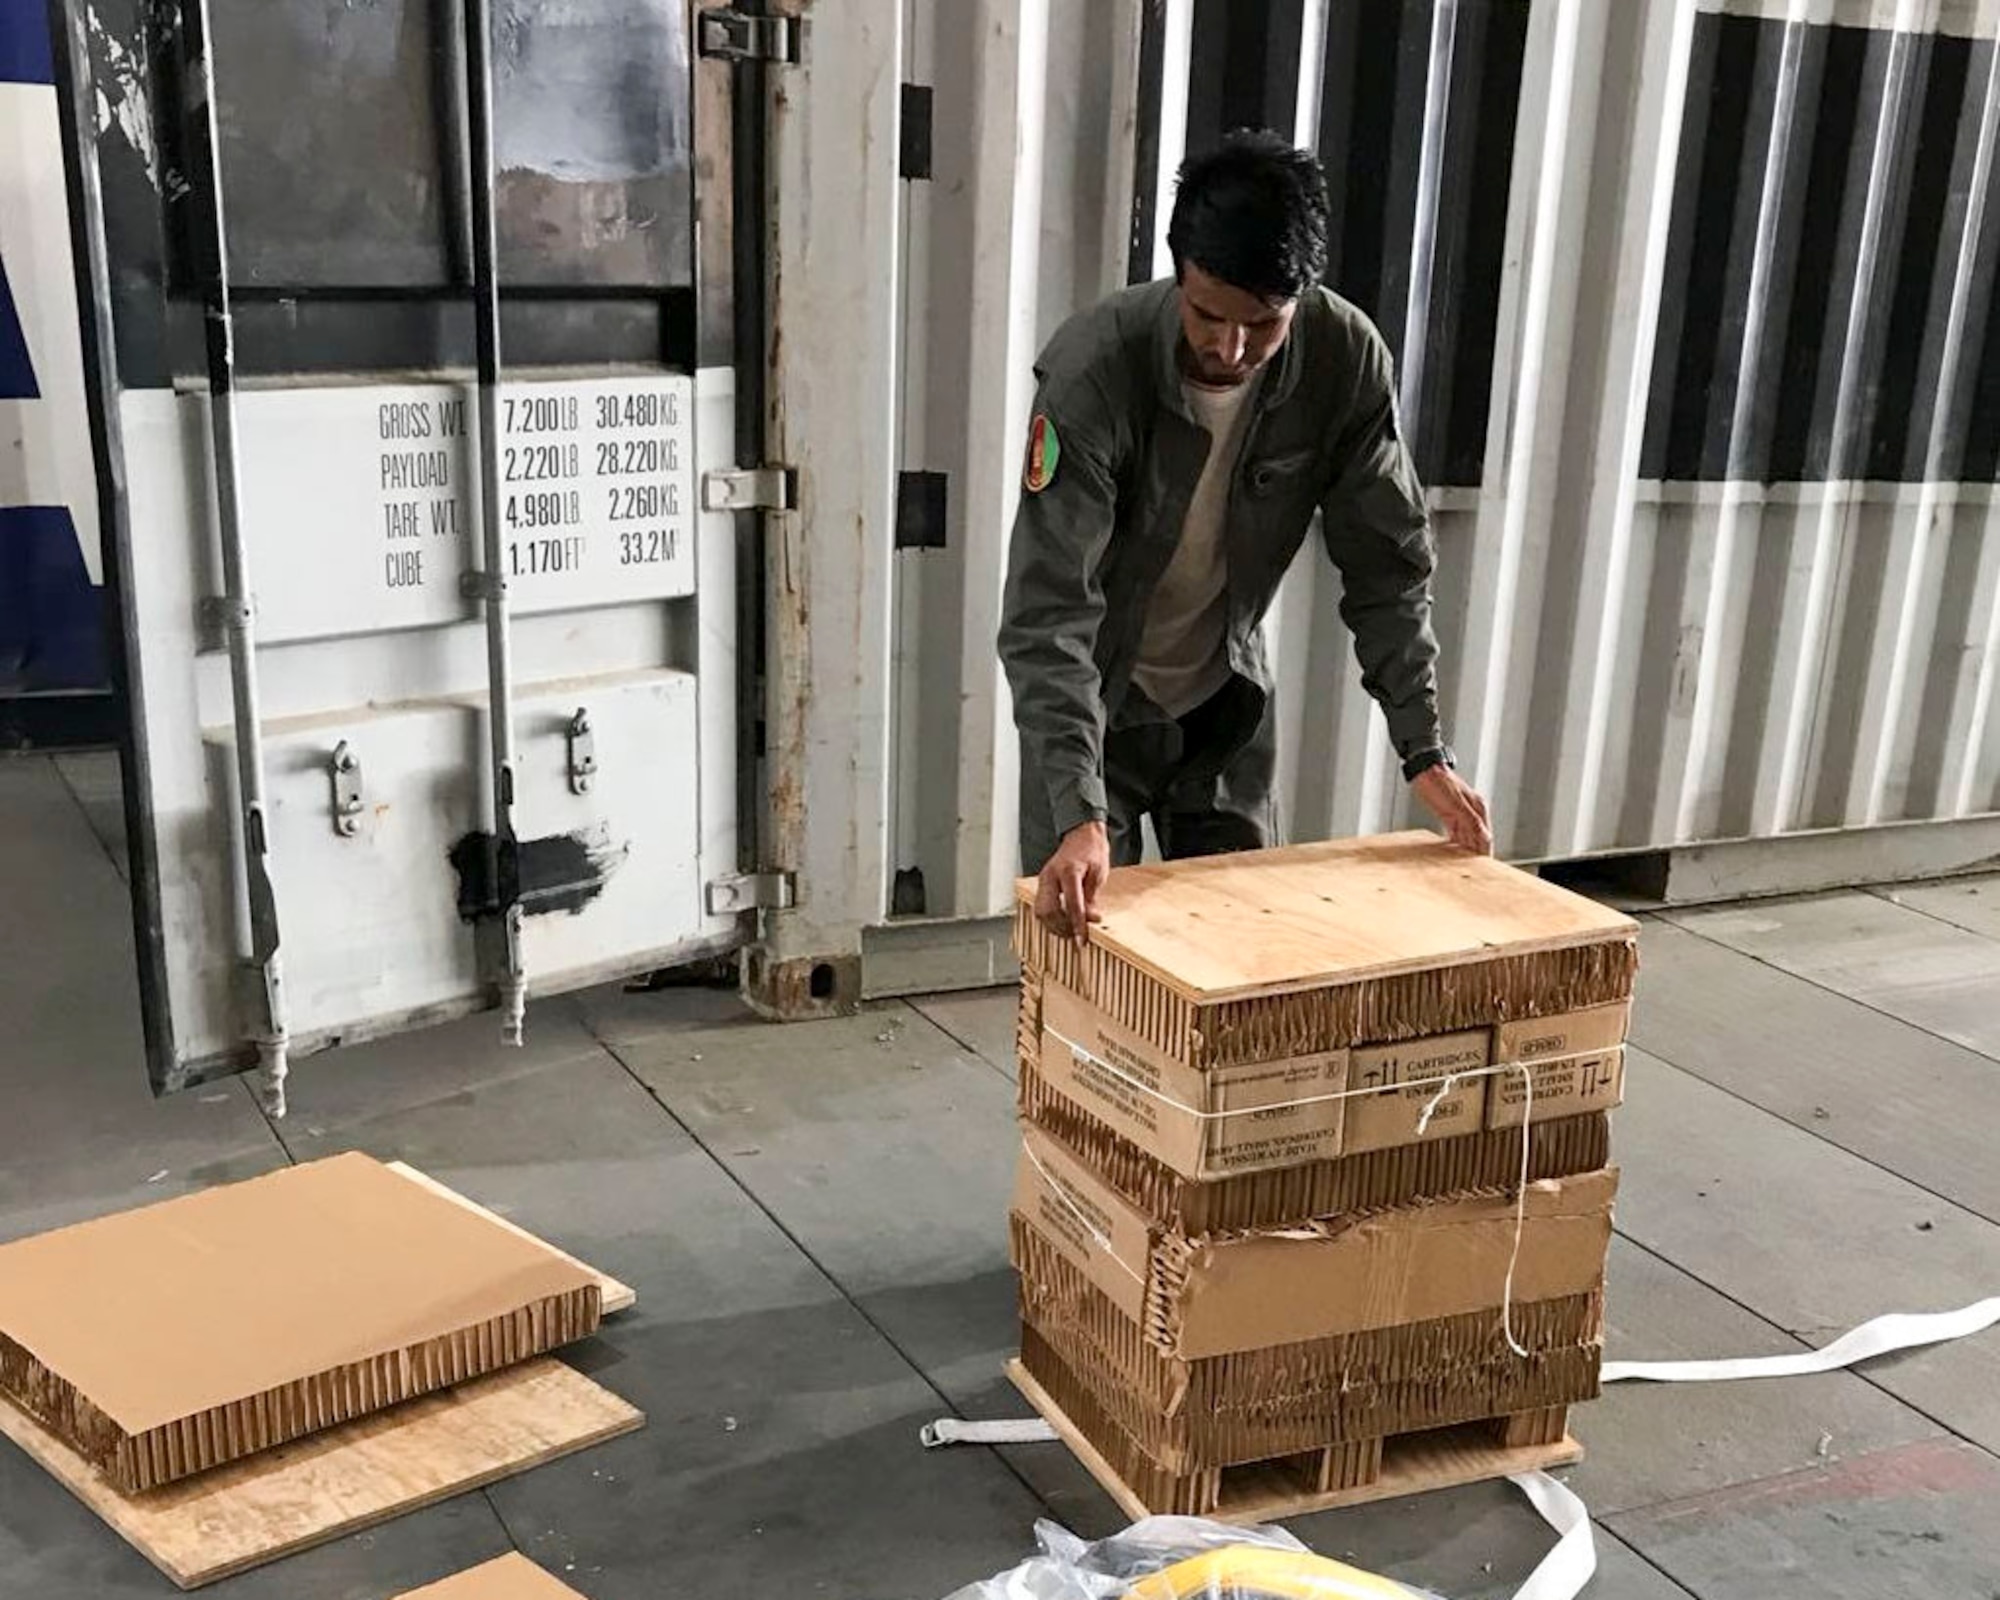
(1916, 1522)
(1889, 1091)
(53, 1547)
(1808, 1237)
(241, 1516)
(1929, 973)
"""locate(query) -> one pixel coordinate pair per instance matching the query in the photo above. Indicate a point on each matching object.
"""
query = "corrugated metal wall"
(1693, 304)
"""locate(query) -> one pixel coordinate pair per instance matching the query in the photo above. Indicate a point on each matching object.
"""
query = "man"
(1184, 434)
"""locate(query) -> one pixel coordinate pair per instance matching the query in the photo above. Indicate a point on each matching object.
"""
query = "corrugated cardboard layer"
(1409, 1005)
(1576, 1063)
(163, 1341)
(1028, 1018)
(1056, 1294)
(1340, 911)
(1465, 1163)
(1103, 1236)
(1256, 1404)
(1163, 1491)
(1202, 1124)
(1212, 1294)
(1408, 1264)
(1192, 1441)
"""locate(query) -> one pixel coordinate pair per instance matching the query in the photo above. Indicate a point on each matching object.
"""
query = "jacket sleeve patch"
(1044, 453)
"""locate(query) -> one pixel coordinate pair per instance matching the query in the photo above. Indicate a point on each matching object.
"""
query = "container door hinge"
(736, 36)
(751, 489)
(582, 753)
(752, 891)
(344, 767)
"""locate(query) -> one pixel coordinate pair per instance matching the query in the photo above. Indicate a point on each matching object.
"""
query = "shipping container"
(658, 374)
(1692, 307)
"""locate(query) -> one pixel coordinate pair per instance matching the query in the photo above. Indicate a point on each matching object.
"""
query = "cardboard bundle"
(163, 1341)
(1278, 1113)
(1442, 1164)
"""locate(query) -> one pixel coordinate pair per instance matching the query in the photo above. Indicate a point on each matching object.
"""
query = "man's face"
(1229, 332)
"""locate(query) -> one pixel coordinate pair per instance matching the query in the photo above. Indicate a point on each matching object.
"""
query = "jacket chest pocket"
(1281, 477)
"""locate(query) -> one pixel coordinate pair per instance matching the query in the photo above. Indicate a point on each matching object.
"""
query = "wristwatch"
(1422, 762)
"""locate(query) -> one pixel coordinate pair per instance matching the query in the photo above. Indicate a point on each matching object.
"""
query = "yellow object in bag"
(1248, 1572)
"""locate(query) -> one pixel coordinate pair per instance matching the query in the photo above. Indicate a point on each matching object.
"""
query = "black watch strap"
(1424, 760)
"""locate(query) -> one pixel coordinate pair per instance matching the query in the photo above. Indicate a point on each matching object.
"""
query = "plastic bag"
(1183, 1558)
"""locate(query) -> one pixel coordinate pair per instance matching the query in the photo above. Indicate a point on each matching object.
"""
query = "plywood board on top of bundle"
(1314, 915)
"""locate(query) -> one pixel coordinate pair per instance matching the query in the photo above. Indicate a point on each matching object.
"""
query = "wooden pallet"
(367, 1472)
(1344, 1475)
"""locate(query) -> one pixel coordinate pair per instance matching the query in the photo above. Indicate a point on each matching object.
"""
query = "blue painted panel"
(51, 618)
(17, 372)
(25, 55)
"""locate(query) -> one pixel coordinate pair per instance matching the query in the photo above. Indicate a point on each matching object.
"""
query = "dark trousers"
(1205, 780)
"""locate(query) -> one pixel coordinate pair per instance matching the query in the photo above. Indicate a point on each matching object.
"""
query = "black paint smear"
(563, 872)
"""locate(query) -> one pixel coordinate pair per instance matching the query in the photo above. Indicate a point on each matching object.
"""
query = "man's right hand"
(1066, 896)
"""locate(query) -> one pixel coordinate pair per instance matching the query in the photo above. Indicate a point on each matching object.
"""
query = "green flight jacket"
(1090, 545)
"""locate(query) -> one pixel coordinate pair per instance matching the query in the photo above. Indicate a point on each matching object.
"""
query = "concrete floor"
(813, 1219)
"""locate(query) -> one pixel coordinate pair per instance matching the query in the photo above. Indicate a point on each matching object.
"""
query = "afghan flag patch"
(1044, 451)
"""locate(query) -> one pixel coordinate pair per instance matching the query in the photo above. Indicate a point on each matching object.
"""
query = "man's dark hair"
(1252, 212)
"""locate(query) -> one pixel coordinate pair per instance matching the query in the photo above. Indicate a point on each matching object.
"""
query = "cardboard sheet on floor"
(512, 1577)
(613, 1295)
(164, 1341)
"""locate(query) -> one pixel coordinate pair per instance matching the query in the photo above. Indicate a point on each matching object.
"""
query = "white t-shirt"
(1183, 655)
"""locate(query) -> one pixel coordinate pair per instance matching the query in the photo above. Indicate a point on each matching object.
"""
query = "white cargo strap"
(1563, 1573)
(1565, 1570)
(1899, 1330)
(1021, 1430)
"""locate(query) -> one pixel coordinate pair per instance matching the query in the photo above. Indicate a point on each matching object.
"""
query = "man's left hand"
(1457, 806)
